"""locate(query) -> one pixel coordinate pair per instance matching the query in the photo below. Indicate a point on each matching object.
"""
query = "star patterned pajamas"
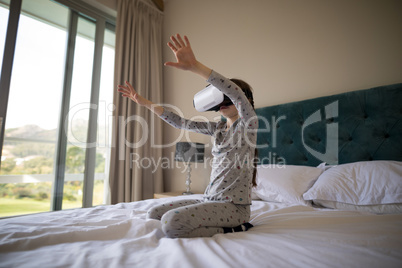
(196, 218)
(227, 198)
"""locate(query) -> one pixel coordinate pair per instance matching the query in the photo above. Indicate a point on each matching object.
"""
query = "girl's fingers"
(124, 92)
(120, 90)
(130, 87)
(173, 64)
(187, 41)
(123, 89)
(181, 42)
(177, 44)
(172, 47)
(128, 91)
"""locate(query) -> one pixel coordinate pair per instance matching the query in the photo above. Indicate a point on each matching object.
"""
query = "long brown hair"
(255, 168)
(248, 91)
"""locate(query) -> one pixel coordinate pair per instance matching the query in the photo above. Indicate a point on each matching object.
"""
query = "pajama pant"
(196, 218)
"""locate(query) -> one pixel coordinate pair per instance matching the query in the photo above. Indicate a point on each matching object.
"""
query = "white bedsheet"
(120, 236)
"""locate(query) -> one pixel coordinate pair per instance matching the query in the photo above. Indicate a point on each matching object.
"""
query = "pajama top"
(233, 149)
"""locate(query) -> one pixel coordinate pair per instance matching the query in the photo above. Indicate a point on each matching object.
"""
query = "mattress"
(284, 235)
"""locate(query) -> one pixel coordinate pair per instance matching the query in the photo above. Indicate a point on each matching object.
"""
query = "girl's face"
(228, 111)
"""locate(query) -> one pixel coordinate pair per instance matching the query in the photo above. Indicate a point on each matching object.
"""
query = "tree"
(7, 166)
(75, 160)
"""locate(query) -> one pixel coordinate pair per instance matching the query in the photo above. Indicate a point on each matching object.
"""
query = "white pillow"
(324, 166)
(285, 183)
(360, 183)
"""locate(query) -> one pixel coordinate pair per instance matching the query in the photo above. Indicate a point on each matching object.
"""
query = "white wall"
(288, 50)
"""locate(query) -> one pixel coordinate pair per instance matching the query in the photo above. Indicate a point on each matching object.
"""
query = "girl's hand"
(185, 57)
(129, 92)
(183, 53)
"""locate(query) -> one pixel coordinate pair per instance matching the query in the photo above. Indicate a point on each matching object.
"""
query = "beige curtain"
(136, 131)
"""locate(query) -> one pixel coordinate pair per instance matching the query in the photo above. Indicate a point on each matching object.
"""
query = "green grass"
(13, 207)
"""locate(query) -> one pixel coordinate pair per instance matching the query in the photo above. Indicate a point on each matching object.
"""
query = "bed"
(329, 194)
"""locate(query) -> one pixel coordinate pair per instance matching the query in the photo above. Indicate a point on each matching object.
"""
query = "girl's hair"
(255, 167)
(248, 91)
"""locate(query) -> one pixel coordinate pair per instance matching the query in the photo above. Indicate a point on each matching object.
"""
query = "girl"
(227, 199)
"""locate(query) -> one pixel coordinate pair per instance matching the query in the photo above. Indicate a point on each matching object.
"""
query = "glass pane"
(27, 172)
(105, 113)
(79, 114)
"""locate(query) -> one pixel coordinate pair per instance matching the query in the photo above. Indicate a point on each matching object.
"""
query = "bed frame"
(355, 126)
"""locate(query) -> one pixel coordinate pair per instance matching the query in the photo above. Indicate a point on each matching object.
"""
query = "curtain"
(137, 133)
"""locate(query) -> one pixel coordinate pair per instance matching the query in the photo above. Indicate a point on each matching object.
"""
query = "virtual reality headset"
(210, 99)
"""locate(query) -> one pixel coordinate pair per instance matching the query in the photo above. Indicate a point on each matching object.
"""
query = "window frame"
(102, 22)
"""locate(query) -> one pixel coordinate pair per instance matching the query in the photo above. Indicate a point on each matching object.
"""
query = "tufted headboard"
(355, 126)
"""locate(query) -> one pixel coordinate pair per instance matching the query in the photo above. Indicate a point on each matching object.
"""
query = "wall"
(288, 50)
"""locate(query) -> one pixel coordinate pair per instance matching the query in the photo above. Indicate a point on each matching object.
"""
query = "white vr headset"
(210, 99)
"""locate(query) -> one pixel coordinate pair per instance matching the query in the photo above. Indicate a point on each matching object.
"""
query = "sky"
(38, 73)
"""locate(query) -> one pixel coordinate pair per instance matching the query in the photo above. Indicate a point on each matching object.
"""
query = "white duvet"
(283, 236)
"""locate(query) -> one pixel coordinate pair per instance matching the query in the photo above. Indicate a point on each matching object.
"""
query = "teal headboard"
(355, 126)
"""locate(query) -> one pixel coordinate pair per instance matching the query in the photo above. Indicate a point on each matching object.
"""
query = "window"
(58, 98)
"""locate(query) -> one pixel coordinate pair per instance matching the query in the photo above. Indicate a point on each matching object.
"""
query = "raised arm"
(173, 119)
(186, 60)
(185, 57)
(129, 92)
